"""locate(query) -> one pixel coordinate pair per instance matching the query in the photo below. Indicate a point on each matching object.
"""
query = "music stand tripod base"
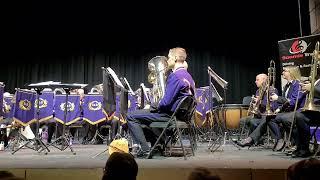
(65, 137)
(37, 142)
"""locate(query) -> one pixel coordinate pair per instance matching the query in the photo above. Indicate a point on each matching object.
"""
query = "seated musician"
(305, 119)
(179, 84)
(288, 99)
(255, 118)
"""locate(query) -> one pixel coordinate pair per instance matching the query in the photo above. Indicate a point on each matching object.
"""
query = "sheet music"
(115, 77)
(130, 89)
(217, 78)
(215, 93)
(82, 85)
(144, 89)
(46, 83)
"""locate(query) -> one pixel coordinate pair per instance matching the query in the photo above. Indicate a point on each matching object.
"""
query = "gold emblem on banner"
(129, 103)
(25, 105)
(70, 106)
(43, 103)
(94, 105)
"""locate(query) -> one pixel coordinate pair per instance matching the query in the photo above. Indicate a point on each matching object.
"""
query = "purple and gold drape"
(24, 112)
(92, 109)
(73, 109)
(45, 106)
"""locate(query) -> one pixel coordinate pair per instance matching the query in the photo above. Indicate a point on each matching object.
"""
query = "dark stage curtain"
(85, 67)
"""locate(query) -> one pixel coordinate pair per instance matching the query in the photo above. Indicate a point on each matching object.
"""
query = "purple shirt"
(179, 84)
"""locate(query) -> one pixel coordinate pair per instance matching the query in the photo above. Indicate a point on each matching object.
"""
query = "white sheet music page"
(115, 77)
(130, 89)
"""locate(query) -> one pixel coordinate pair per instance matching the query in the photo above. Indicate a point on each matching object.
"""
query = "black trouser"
(303, 121)
(251, 122)
(262, 128)
(144, 117)
(285, 119)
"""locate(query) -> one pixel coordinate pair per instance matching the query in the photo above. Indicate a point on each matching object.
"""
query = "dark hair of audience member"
(202, 174)
(6, 175)
(304, 169)
(120, 166)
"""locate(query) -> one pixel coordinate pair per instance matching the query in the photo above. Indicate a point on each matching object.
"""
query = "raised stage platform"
(228, 162)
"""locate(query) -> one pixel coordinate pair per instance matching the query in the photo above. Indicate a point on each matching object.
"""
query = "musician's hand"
(306, 87)
(274, 97)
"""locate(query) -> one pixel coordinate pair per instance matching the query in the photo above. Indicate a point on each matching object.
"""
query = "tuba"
(309, 104)
(158, 67)
(270, 87)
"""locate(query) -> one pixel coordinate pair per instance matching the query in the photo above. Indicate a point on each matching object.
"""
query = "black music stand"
(65, 137)
(38, 143)
(110, 83)
(224, 131)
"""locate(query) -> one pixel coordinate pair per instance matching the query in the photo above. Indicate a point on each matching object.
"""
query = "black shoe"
(144, 155)
(245, 142)
(279, 145)
(302, 154)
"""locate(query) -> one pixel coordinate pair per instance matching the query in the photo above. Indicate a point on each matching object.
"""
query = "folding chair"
(315, 142)
(180, 119)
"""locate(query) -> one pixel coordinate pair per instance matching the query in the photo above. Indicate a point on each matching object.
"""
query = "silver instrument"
(158, 67)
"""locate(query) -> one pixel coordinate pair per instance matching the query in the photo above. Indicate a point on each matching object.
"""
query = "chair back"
(246, 100)
(185, 109)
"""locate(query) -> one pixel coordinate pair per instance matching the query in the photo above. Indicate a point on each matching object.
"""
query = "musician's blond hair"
(179, 53)
(294, 72)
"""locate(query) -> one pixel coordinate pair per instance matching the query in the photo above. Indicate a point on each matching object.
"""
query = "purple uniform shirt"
(179, 84)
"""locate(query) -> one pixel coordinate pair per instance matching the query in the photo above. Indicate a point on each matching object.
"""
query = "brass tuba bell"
(152, 78)
(158, 67)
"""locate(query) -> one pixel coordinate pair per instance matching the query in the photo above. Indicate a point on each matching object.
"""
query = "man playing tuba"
(179, 84)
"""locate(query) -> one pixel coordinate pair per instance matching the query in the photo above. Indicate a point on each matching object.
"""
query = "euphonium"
(158, 67)
(270, 87)
(309, 105)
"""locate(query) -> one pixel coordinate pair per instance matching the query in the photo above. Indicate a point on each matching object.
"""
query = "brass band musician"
(257, 104)
(288, 100)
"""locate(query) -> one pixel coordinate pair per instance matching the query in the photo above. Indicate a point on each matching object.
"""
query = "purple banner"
(73, 109)
(24, 113)
(1, 101)
(132, 106)
(45, 106)
(203, 106)
(92, 109)
(8, 107)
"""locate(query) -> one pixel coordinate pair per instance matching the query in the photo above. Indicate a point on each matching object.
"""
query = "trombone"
(270, 87)
(309, 104)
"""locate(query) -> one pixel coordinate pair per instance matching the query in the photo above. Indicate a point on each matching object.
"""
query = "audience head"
(120, 166)
(5, 175)
(307, 169)
(202, 174)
